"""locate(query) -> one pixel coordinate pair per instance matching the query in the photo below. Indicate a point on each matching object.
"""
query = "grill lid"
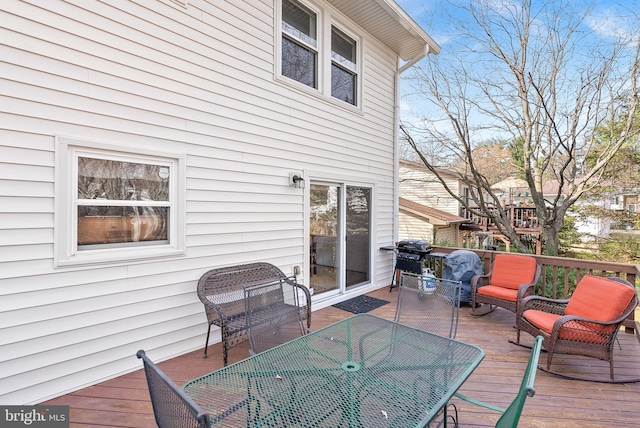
(414, 246)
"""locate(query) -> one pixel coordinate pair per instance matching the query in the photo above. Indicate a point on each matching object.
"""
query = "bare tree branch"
(535, 74)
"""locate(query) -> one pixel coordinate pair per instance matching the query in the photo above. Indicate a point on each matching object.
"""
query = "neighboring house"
(145, 142)
(627, 200)
(512, 191)
(426, 205)
(418, 221)
(621, 203)
(515, 191)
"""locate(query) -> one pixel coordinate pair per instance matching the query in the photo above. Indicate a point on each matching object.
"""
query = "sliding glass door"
(340, 236)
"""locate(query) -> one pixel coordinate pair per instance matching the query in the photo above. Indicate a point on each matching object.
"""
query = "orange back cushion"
(511, 270)
(599, 299)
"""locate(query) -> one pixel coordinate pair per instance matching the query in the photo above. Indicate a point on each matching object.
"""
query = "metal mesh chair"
(172, 407)
(272, 315)
(433, 310)
(511, 415)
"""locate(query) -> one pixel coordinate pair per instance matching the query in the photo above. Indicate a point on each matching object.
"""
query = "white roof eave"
(389, 23)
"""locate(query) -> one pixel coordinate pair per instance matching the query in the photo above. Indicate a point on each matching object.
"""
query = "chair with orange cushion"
(586, 324)
(512, 277)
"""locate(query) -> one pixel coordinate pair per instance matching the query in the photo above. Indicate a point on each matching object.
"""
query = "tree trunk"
(551, 240)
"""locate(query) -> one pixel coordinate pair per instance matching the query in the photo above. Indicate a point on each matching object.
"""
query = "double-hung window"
(318, 54)
(299, 43)
(116, 204)
(343, 66)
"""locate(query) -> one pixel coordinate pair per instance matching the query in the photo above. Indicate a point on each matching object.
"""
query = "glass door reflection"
(324, 231)
(358, 228)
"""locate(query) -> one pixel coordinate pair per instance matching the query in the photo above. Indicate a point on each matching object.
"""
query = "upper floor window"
(343, 66)
(114, 205)
(299, 43)
(309, 56)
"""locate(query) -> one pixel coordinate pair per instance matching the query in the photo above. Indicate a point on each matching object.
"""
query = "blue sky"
(606, 18)
(431, 14)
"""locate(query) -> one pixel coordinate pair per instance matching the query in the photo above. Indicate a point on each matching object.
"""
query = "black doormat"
(360, 304)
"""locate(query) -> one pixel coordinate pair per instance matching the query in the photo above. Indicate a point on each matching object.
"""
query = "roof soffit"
(387, 22)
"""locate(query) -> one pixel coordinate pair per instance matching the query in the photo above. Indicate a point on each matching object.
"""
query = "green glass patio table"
(363, 371)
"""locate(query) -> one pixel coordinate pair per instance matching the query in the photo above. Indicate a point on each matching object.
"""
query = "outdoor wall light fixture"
(296, 180)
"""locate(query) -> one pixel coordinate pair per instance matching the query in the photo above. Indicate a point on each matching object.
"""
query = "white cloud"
(613, 20)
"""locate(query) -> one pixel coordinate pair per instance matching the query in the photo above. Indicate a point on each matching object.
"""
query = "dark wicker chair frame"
(222, 291)
(172, 407)
(478, 281)
(553, 343)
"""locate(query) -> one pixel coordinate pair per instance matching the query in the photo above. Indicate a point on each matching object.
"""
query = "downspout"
(396, 138)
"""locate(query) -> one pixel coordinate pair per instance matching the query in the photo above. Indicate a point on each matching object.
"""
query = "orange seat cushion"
(501, 293)
(543, 320)
(572, 330)
(512, 270)
(599, 299)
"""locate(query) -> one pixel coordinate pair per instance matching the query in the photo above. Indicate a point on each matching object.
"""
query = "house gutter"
(407, 65)
(396, 138)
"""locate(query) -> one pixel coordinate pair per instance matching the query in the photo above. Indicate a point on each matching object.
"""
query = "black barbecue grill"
(409, 256)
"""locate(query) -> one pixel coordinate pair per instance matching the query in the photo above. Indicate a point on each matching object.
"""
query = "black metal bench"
(222, 291)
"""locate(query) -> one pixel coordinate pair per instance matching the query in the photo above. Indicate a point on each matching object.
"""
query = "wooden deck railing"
(521, 218)
(559, 274)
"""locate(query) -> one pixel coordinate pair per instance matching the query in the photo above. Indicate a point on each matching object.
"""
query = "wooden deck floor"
(558, 402)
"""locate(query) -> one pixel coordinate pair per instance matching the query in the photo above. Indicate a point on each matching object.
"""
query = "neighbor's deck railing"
(522, 217)
(559, 274)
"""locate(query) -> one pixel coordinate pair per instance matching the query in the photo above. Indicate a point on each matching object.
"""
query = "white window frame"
(341, 64)
(326, 19)
(66, 252)
(303, 43)
(317, 49)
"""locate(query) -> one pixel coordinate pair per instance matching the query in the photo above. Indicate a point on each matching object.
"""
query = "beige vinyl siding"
(419, 185)
(197, 80)
(414, 227)
(447, 234)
